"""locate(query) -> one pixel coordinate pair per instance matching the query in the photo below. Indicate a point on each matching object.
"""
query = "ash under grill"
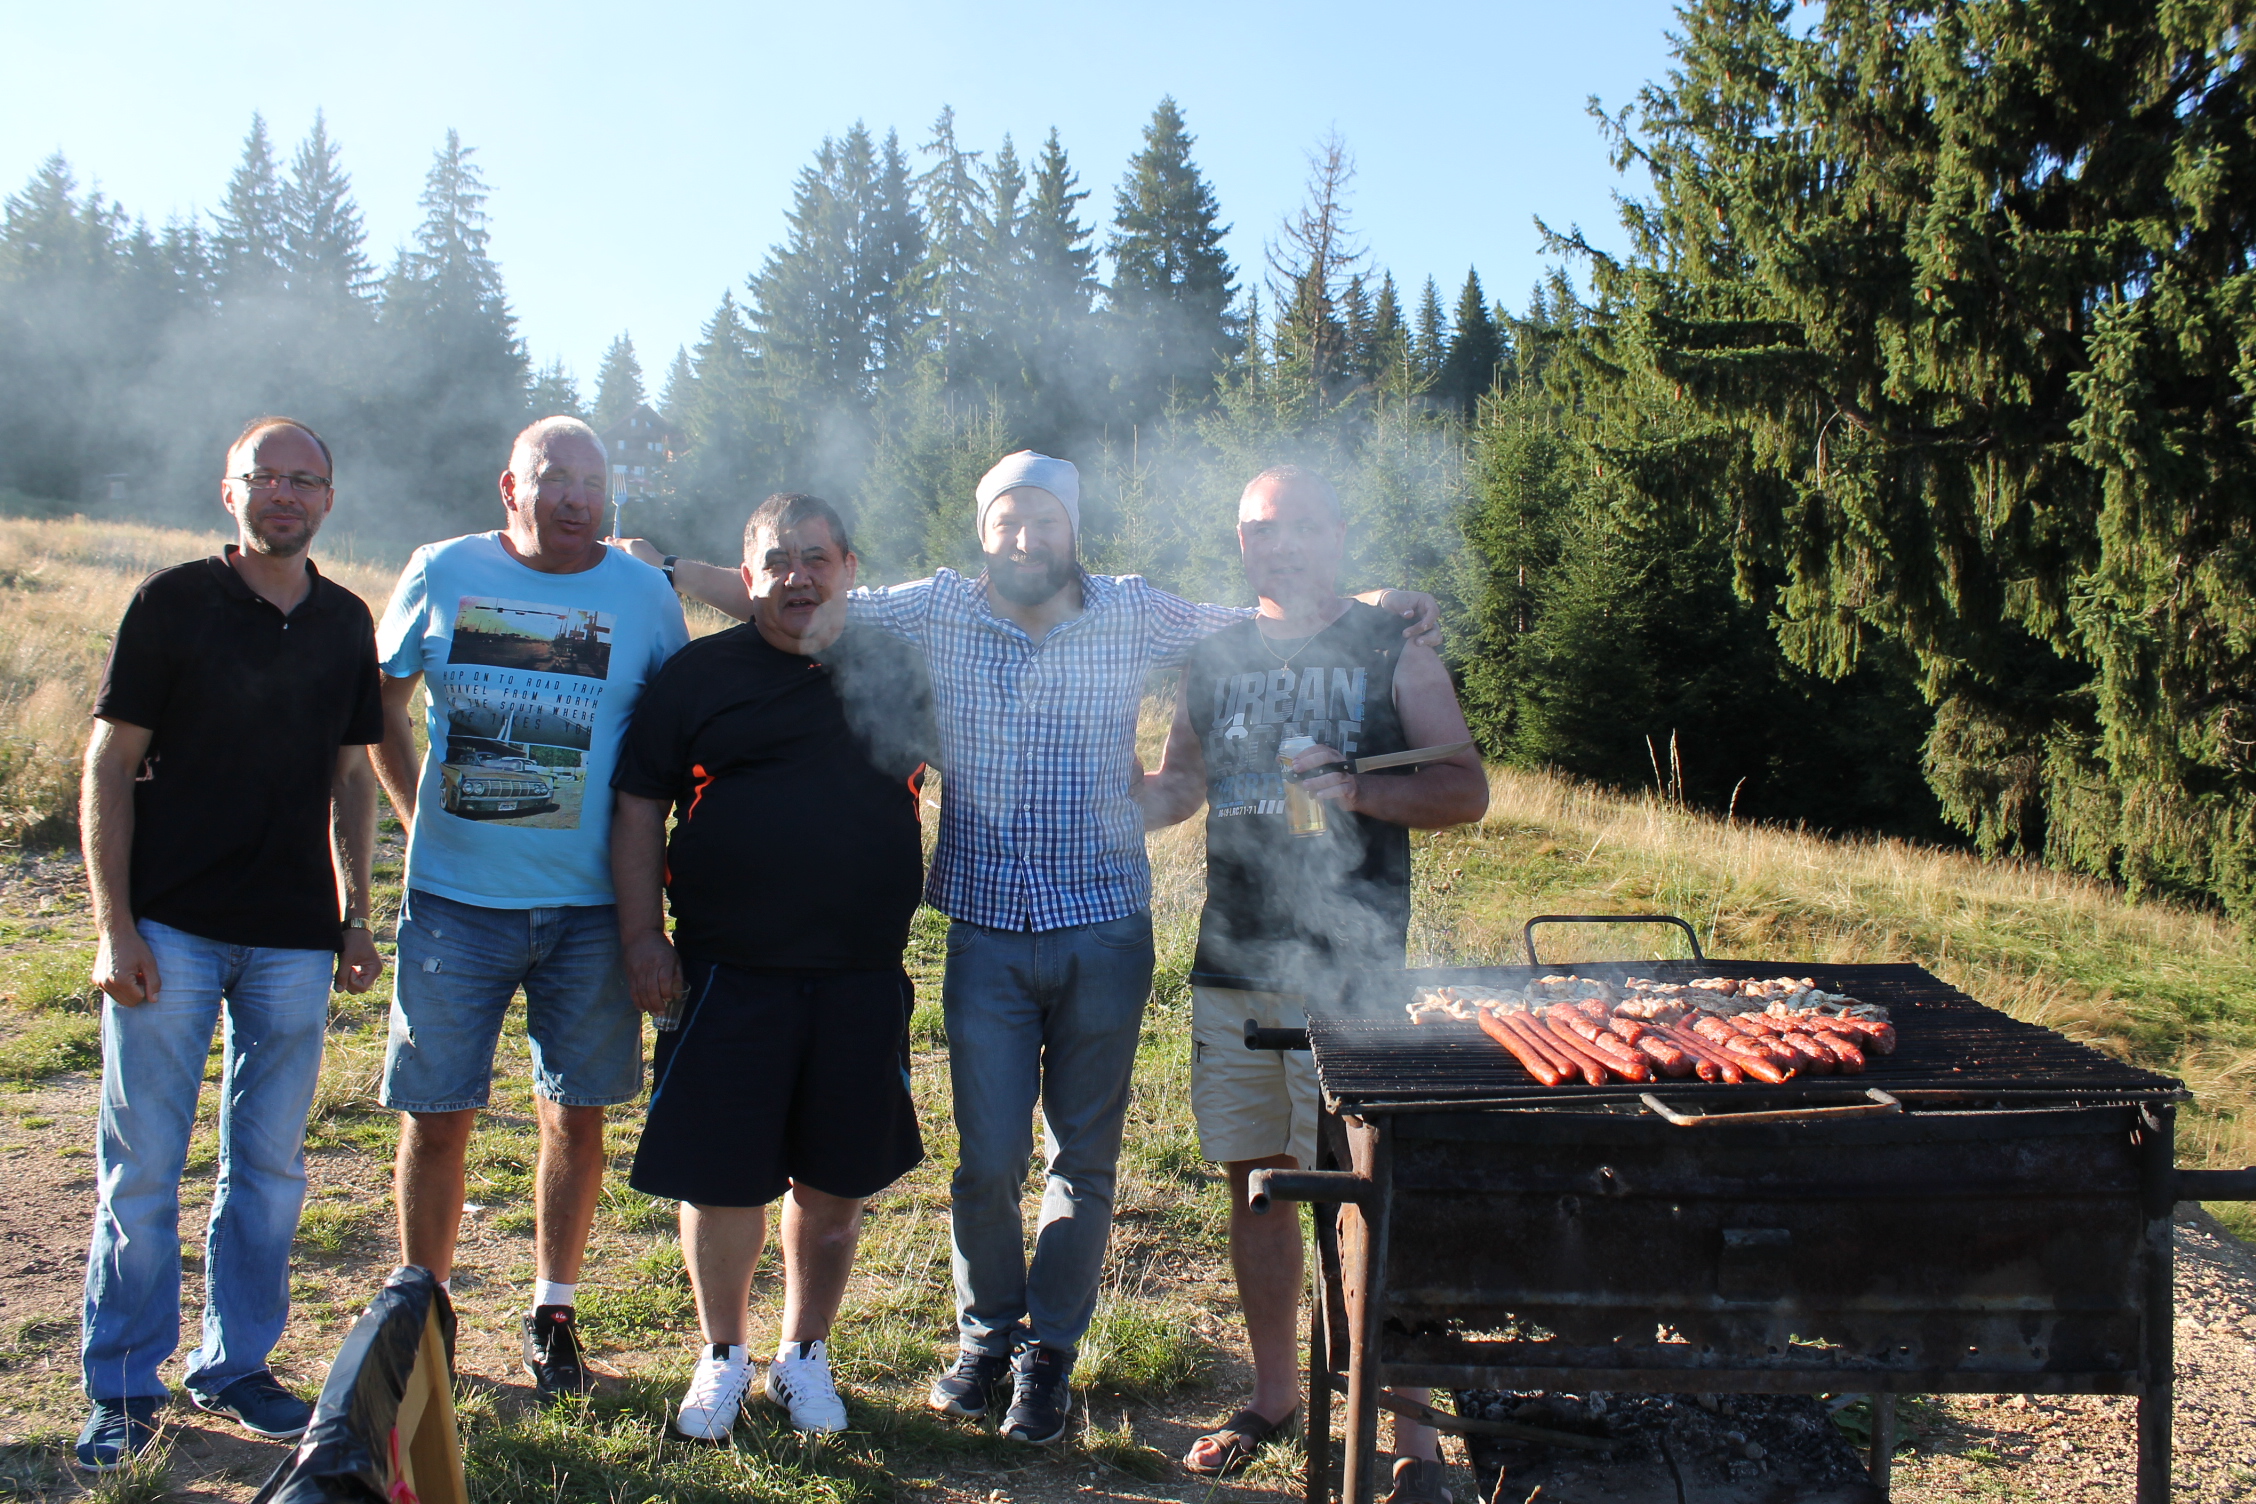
(1949, 1047)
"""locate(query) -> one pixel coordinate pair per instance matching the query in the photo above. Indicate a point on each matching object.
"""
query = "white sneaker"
(716, 1393)
(799, 1380)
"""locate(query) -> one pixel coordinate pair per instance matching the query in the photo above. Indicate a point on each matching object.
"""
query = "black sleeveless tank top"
(1288, 913)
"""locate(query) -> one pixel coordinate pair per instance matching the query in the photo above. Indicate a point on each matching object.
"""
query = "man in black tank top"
(1291, 914)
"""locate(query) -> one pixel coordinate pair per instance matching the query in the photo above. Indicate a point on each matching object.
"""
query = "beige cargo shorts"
(1250, 1104)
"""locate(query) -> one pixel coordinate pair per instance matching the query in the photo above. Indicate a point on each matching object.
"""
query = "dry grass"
(63, 585)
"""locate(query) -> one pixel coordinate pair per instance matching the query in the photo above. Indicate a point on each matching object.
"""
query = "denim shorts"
(459, 966)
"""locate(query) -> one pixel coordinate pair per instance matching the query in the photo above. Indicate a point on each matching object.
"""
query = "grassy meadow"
(2162, 985)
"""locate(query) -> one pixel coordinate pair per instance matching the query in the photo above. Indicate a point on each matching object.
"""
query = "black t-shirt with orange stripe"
(795, 786)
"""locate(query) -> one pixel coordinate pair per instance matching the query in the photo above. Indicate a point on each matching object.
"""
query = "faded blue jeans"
(276, 1008)
(1055, 1014)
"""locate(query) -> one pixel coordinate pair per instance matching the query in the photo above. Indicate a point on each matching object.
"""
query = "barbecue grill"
(1987, 1210)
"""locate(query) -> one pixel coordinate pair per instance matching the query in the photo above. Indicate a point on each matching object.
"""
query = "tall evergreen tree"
(814, 308)
(454, 355)
(681, 380)
(250, 230)
(954, 197)
(1313, 263)
(889, 254)
(324, 243)
(1953, 301)
(1172, 285)
(1429, 340)
(1385, 361)
(554, 393)
(1063, 369)
(618, 385)
(1476, 349)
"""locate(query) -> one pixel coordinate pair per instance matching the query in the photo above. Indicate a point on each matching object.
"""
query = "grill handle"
(2217, 1185)
(1331, 1187)
(1258, 1038)
(1881, 1105)
(1527, 933)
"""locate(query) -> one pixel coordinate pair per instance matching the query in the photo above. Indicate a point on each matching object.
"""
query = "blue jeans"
(461, 963)
(1054, 1013)
(276, 1007)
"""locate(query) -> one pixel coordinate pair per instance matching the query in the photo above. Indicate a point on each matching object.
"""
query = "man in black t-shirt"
(230, 732)
(791, 751)
(1315, 680)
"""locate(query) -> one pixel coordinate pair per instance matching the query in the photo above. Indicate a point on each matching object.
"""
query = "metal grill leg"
(1316, 1423)
(1883, 1464)
(2158, 1174)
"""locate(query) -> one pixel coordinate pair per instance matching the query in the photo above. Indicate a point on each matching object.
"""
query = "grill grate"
(1947, 1043)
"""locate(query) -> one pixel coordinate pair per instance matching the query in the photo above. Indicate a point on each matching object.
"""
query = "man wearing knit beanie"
(1038, 671)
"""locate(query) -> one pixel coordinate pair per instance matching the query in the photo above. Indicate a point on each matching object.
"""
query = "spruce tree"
(681, 381)
(1476, 349)
(250, 229)
(1064, 372)
(618, 385)
(814, 309)
(954, 200)
(1429, 340)
(1951, 302)
(554, 393)
(454, 357)
(1172, 284)
(324, 243)
(890, 250)
(1385, 363)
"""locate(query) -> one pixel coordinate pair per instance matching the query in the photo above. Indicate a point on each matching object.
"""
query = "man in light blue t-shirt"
(532, 644)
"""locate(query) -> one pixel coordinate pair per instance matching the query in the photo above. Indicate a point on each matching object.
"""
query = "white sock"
(733, 1353)
(788, 1352)
(547, 1292)
(447, 1285)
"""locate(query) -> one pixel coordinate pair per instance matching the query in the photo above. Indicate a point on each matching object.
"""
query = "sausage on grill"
(1594, 1067)
(1672, 1061)
(1619, 1057)
(1826, 1062)
(1536, 1066)
(1539, 1039)
(1708, 1057)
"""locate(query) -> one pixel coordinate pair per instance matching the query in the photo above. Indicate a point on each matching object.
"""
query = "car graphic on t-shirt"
(483, 780)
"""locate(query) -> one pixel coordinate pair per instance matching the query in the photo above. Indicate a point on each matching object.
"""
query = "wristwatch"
(359, 924)
(666, 568)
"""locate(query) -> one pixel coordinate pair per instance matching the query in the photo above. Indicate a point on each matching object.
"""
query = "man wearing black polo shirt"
(229, 742)
(792, 749)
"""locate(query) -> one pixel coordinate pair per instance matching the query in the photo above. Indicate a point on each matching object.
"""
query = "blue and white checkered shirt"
(1037, 830)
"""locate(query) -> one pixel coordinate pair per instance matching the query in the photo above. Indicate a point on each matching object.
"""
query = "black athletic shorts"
(781, 1077)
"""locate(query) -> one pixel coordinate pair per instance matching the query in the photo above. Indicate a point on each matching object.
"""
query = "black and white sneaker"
(1041, 1395)
(969, 1390)
(552, 1353)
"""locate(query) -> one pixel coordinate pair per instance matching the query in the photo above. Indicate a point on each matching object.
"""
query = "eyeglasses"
(300, 481)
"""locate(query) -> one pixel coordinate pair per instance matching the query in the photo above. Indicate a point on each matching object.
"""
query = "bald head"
(534, 444)
(1285, 484)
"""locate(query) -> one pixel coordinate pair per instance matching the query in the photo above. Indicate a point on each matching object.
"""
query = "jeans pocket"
(1133, 932)
(961, 936)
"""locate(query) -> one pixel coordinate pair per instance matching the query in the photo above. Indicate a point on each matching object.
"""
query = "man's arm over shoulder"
(1179, 625)
(717, 585)
(896, 610)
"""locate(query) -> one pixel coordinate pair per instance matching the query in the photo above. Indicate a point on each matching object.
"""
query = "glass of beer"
(1304, 814)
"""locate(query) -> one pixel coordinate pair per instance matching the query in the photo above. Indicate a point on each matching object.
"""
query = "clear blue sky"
(641, 156)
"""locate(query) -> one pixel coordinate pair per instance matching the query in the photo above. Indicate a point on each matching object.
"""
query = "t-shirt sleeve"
(137, 681)
(896, 610)
(1179, 625)
(399, 636)
(654, 753)
(367, 723)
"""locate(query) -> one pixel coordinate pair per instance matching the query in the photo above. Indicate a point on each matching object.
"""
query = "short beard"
(1016, 589)
(260, 543)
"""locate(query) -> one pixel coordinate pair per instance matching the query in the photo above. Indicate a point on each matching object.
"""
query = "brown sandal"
(1242, 1435)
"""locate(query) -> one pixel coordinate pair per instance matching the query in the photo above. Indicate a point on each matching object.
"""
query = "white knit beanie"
(1026, 468)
